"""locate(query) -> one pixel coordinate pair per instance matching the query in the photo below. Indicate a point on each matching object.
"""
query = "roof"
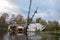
(20, 27)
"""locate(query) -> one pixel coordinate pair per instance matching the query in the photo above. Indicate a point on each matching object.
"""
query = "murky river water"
(31, 36)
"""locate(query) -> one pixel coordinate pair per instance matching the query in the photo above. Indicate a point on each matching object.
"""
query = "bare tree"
(4, 17)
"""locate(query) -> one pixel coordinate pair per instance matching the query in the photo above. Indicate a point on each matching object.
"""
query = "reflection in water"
(2, 34)
(31, 36)
(50, 38)
(15, 37)
(1, 37)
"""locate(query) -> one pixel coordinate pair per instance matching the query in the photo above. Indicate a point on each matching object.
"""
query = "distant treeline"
(50, 25)
(6, 20)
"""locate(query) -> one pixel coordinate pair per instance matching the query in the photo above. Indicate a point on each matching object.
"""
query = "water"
(31, 36)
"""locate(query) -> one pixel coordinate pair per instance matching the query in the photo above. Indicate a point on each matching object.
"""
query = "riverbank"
(50, 31)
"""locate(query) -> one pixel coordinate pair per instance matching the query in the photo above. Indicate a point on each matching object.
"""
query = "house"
(36, 27)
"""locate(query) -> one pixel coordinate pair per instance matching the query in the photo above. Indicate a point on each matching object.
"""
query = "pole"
(28, 19)
(28, 15)
(34, 14)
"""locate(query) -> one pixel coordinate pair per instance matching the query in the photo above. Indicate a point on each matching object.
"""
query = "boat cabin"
(16, 29)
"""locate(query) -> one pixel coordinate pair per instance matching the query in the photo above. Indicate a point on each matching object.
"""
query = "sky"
(47, 9)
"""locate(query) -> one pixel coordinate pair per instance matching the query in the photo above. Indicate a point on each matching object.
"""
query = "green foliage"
(50, 26)
(38, 20)
(56, 25)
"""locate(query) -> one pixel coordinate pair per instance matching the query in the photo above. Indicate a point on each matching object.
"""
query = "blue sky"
(47, 9)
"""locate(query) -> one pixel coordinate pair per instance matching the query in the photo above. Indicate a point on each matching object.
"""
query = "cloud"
(48, 9)
(7, 6)
(48, 15)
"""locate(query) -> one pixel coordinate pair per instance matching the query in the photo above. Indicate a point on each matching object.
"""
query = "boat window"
(19, 30)
(11, 27)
